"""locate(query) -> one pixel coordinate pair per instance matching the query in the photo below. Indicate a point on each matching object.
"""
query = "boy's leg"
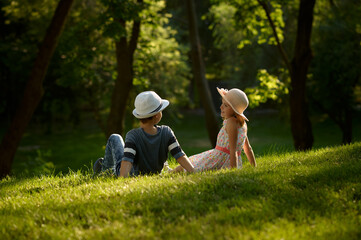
(97, 167)
(114, 152)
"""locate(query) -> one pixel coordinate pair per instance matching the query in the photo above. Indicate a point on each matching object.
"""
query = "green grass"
(312, 195)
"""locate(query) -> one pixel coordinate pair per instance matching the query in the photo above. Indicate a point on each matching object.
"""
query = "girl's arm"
(185, 164)
(179, 168)
(232, 131)
(249, 153)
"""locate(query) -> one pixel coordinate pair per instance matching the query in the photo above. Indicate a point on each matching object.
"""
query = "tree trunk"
(199, 75)
(124, 81)
(121, 90)
(34, 89)
(300, 123)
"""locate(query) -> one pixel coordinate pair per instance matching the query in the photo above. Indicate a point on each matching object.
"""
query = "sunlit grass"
(313, 195)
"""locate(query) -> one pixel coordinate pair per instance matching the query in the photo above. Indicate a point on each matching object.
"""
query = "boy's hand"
(125, 169)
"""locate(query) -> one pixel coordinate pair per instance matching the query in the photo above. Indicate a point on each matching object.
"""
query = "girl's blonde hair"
(240, 119)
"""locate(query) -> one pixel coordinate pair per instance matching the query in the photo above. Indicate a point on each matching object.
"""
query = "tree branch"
(135, 34)
(279, 46)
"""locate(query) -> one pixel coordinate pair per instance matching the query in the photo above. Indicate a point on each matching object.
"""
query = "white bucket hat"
(148, 104)
(236, 98)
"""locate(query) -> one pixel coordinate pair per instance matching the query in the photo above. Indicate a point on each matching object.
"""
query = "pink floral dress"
(218, 157)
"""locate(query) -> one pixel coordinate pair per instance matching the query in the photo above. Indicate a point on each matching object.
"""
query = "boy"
(146, 148)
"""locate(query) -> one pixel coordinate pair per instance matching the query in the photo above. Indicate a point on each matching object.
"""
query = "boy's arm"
(185, 163)
(125, 168)
(175, 149)
(249, 153)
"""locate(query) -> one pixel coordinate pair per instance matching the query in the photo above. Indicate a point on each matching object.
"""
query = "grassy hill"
(313, 195)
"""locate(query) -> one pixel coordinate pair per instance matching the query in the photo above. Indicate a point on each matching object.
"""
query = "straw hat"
(148, 104)
(236, 98)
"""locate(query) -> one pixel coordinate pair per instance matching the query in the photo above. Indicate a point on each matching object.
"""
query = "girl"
(231, 139)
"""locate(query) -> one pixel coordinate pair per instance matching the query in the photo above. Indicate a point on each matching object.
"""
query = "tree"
(33, 91)
(199, 75)
(298, 68)
(300, 123)
(87, 65)
(148, 57)
(125, 46)
(336, 66)
(252, 16)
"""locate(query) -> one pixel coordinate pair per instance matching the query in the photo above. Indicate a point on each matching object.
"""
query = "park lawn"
(299, 195)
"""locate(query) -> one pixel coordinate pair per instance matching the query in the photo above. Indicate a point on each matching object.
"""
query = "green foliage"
(36, 13)
(245, 39)
(253, 23)
(223, 25)
(270, 87)
(313, 195)
(242, 35)
(336, 65)
(160, 62)
(85, 59)
(82, 72)
(23, 25)
(226, 39)
(117, 13)
(67, 64)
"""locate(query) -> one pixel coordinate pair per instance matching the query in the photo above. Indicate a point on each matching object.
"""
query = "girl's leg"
(114, 152)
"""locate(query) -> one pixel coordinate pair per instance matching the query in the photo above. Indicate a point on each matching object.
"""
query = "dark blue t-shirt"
(149, 152)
